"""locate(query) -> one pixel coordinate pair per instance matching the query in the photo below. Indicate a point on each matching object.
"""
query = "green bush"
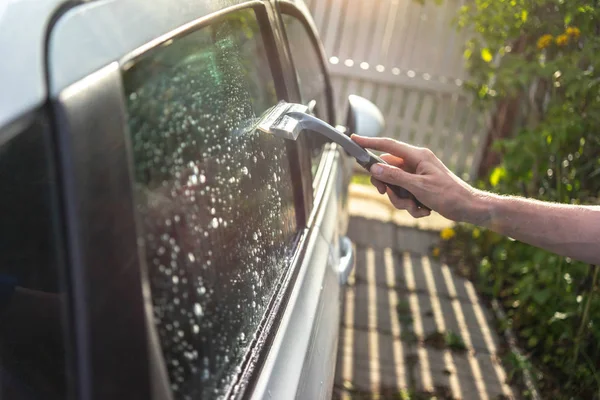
(545, 55)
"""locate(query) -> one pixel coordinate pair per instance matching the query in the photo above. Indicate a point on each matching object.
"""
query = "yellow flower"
(544, 41)
(562, 40)
(573, 32)
(447, 233)
(436, 252)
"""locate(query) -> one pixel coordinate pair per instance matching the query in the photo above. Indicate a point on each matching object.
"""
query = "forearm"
(568, 230)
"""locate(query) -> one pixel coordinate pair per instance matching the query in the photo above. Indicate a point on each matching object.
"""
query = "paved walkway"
(397, 299)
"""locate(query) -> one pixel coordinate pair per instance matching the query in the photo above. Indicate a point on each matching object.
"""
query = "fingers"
(381, 188)
(410, 154)
(395, 176)
(408, 205)
(393, 160)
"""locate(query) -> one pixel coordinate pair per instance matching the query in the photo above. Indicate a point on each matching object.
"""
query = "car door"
(192, 241)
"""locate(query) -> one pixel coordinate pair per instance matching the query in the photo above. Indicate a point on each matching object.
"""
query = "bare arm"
(568, 230)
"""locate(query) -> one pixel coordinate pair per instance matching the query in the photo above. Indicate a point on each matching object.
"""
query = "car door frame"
(302, 14)
(90, 123)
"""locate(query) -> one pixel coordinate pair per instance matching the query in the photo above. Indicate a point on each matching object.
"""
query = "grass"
(455, 342)
(404, 315)
(403, 307)
(446, 340)
(409, 336)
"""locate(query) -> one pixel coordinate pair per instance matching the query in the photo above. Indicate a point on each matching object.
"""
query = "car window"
(215, 198)
(32, 347)
(310, 75)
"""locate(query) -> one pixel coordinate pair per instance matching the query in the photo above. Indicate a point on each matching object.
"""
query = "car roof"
(79, 45)
(23, 27)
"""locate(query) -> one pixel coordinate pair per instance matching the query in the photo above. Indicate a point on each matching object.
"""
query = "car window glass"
(310, 76)
(32, 347)
(215, 198)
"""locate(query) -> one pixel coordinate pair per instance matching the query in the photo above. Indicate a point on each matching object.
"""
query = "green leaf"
(467, 54)
(568, 19)
(542, 296)
(486, 55)
(532, 342)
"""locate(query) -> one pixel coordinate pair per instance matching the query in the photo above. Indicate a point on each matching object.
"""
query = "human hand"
(420, 172)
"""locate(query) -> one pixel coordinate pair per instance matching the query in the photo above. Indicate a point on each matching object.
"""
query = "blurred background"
(506, 94)
(406, 57)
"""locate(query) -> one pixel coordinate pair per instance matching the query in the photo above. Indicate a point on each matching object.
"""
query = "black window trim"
(103, 257)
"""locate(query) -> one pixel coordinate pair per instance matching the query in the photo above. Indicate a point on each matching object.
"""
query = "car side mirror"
(364, 118)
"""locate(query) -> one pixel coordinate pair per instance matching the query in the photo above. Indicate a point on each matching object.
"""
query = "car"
(151, 248)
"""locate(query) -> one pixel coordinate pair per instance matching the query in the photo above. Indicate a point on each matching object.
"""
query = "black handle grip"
(398, 190)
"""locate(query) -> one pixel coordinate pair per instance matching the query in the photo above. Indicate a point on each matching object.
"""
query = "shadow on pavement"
(403, 316)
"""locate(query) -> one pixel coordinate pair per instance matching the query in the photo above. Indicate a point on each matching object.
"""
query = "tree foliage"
(545, 55)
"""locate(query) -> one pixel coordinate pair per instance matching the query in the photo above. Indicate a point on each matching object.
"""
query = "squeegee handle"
(363, 156)
(398, 190)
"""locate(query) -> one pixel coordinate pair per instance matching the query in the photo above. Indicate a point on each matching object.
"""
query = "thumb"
(394, 175)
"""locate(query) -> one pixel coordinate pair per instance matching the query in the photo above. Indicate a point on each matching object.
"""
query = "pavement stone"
(399, 296)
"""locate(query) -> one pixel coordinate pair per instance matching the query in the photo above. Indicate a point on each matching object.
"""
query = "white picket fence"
(408, 59)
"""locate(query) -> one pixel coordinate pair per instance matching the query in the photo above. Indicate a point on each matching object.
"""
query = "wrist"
(479, 208)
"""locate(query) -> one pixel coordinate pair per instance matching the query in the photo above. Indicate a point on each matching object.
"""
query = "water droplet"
(244, 170)
(198, 310)
(175, 279)
(196, 329)
(202, 178)
(214, 223)
(191, 257)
